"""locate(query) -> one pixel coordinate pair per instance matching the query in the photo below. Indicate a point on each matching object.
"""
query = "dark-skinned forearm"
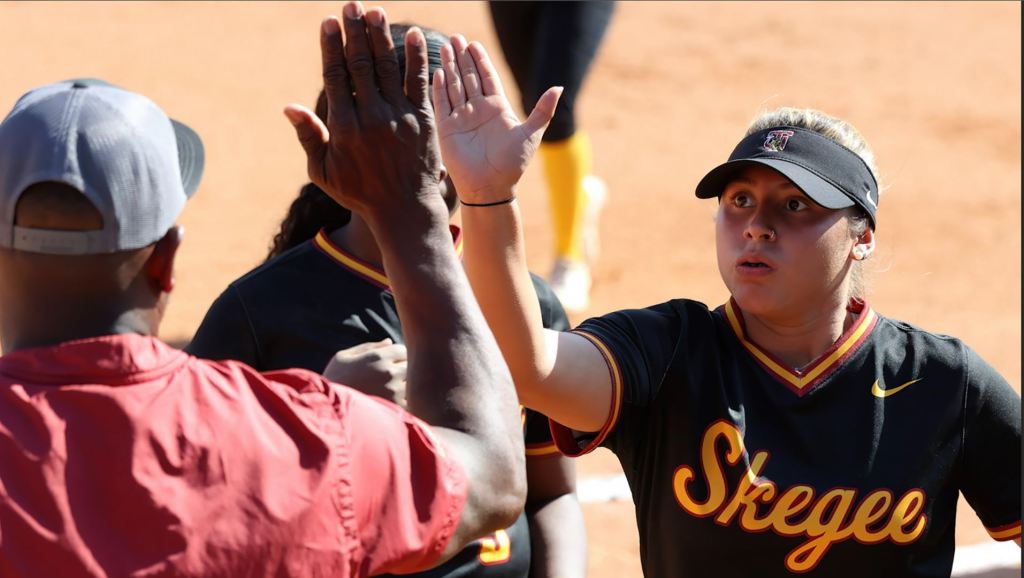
(456, 377)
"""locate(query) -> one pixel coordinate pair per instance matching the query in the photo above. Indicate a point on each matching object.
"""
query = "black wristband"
(495, 203)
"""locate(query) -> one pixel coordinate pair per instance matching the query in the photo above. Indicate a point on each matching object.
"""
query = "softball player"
(323, 289)
(553, 44)
(122, 456)
(792, 429)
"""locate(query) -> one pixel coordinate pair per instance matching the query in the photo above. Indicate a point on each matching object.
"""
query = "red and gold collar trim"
(368, 271)
(803, 380)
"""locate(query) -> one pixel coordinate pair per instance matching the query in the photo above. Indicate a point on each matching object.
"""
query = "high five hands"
(484, 146)
(378, 153)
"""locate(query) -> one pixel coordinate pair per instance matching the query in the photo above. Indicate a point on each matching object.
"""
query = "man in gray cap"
(120, 456)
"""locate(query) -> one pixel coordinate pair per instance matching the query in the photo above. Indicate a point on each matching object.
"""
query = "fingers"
(393, 353)
(358, 57)
(417, 77)
(312, 133)
(470, 76)
(490, 82)
(385, 61)
(467, 73)
(374, 351)
(542, 113)
(452, 77)
(442, 108)
(365, 347)
(336, 79)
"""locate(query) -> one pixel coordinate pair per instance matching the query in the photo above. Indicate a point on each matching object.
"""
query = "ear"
(864, 245)
(160, 265)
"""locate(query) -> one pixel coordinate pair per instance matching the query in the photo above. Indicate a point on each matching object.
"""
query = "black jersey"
(740, 466)
(300, 308)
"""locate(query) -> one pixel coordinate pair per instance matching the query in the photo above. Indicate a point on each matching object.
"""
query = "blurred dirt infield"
(934, 87)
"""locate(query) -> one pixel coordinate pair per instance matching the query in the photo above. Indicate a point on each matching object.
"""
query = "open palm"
(484, 146)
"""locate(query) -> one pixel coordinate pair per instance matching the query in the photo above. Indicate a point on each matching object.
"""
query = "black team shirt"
(300, 308)
(740, 466)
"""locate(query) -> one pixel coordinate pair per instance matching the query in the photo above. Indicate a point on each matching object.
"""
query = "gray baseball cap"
(136, 165)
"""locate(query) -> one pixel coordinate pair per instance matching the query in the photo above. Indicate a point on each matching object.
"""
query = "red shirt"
(121, 456)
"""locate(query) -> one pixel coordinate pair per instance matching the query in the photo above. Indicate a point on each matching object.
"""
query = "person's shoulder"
(677, 309)
(670, 319)
(296, 274)
(237, 374)
(917, 341)
(259, 291)
(292, 261)
(890, 327)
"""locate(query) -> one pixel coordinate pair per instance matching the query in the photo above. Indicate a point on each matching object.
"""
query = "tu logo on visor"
(776, 140)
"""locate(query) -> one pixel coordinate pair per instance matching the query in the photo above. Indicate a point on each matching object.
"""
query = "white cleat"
(597, 194)
(570, 280)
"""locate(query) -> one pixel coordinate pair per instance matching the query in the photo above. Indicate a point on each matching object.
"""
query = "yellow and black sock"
(566, 163)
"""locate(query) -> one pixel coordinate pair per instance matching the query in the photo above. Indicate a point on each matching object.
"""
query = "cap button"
(79, 84)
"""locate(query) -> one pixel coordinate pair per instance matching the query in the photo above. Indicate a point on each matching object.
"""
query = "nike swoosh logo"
(878, 391)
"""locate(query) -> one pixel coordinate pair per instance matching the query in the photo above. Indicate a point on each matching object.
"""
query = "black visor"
(829, 173)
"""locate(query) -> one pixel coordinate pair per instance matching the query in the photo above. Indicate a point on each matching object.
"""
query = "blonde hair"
(839, 131)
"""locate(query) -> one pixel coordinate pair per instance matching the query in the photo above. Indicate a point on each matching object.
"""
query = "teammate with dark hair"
(791, 430)
(553, 44)
(321, 290)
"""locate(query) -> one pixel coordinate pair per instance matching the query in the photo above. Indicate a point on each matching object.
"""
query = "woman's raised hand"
(484, 146)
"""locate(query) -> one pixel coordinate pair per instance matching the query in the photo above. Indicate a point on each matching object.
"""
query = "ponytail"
(311, 211)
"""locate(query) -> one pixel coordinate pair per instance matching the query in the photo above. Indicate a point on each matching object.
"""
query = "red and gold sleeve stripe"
(1005, 532)
(564, 437)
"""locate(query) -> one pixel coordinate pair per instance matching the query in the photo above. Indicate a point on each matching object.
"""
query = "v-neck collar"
(800, 381)
(371, 273)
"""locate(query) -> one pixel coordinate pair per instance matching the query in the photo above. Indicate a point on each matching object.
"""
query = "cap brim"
(818, 189)
(191, 156)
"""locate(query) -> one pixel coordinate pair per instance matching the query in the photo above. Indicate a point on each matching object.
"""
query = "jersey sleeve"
(992, 450)
(638, 347)
(408, 490)
(226, 332)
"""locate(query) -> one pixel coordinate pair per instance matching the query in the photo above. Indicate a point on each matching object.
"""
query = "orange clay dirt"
(935, 88)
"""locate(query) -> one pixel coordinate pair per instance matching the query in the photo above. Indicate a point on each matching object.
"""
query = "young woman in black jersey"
(321, 301)
(791, 430)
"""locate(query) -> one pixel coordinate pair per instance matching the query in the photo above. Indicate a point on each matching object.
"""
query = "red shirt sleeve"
(408, 490)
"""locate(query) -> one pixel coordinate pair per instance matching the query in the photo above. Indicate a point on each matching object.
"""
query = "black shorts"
(551, 44)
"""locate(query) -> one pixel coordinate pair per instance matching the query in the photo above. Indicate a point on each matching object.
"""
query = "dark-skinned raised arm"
(378, 155)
